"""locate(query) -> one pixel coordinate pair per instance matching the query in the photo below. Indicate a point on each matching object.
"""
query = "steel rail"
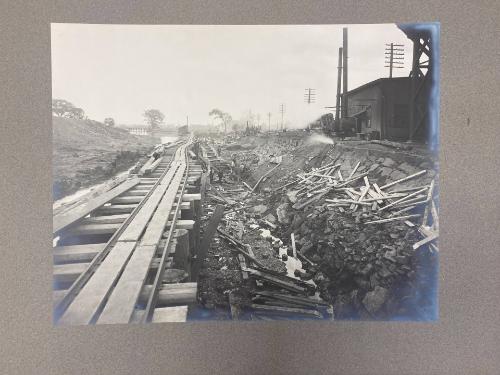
(153, 297)
(80, 282)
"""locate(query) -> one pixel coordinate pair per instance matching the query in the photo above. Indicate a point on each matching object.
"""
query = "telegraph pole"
(394, 56)
(269, 121)
(309, 96)
(282, 111)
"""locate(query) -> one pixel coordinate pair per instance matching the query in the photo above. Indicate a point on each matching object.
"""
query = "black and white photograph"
(245, 173)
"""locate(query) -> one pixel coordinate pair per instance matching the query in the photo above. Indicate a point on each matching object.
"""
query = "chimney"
(339, 88)
(344, 83)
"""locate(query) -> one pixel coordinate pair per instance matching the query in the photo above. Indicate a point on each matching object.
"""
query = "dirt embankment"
(87, 152)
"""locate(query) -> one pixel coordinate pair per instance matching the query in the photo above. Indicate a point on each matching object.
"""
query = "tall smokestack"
(344, 84)
(339, 88)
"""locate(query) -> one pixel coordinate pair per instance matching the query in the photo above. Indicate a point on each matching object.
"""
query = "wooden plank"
(62, 221)
(191, 197)
(76, 253)
(435, 216)
(106, 219)
(68, 273)
(210, 230)
(354, 170)
(403, 179)
(429, 198)
(156, 227)
(183, 224)
(247, 186)
(409, 223)
(139, 222)
(305, 301)
(239, 246)
(341, 178)
(243, 266)
(116, 210)
(146, 165)
(148, 180)
(301, 205)
(364, 191)
(93, 229)
(277, 281)
(184, 205)
(379, 191)
(139, 192)
(172, 294)
(285, 310)
(59, 208)
(93, 294)
(265, 174)
(403, 199)
(127, 200)
(426, 240)
(392, 219)
(153, 166)
(412, 202)
(406, 209)
(122, 301)
(176, 314)
(352, 179)
(294, 248)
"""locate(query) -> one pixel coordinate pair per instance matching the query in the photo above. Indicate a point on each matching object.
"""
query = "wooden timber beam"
(72, 216)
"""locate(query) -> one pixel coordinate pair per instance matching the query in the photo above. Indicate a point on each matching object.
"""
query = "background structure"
(464, 341)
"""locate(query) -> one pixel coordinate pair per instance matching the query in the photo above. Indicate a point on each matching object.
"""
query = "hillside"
(86, 152)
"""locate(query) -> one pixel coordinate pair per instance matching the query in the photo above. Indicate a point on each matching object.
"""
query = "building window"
(369, 123)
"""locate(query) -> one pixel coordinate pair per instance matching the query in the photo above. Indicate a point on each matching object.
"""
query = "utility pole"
(394, 56)
(344, 67)
(269, 121)
(309, 96)
(282, 111)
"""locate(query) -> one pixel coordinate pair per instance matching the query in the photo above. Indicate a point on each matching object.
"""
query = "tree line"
(63, 108)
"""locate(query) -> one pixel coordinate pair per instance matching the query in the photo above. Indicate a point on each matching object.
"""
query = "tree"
(77, 113)
(154, 118)
(225, 118)
(61, 107)
(109, 121)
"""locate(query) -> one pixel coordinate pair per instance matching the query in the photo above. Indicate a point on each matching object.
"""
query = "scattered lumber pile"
(355, 191)
(363, 234)
(272, 294)
(429, 228)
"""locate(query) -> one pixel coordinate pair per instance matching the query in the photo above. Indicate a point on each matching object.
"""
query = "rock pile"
(362, 237)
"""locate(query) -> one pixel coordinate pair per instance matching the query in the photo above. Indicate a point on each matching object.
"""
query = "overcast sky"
(120, 70)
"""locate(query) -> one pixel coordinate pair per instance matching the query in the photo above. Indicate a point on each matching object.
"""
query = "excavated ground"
(364, 271)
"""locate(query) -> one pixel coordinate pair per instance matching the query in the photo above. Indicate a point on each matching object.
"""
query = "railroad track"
(125, 256)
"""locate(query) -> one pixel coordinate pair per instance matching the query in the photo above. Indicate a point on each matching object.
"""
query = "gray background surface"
(466, 339)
